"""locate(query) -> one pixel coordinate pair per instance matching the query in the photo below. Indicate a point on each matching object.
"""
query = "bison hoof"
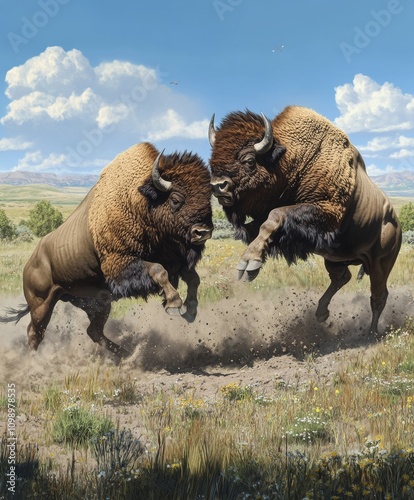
(321, 317)
(191, 313)
(251, 268)
(176, 311)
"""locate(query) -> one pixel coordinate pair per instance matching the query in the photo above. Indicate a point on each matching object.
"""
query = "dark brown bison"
(305, 189)
(140, 228)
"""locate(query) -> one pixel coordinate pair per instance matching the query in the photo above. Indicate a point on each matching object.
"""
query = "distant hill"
(24, 178)
(393, 184)
(396, 183)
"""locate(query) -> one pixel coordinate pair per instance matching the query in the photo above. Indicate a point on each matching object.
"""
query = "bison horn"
(160, 183)
(266, 143)
(212, 132)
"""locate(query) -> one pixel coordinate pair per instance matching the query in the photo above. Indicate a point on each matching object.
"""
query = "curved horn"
(266, 143)
(160, 183)
(212, 132)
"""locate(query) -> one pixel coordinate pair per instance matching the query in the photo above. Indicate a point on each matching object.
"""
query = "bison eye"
(249, 162)
(176, 201)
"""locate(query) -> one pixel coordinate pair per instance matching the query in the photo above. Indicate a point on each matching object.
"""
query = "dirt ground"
(249, 338)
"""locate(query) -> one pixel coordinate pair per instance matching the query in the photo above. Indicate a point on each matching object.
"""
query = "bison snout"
(223, 190)
(200, 234)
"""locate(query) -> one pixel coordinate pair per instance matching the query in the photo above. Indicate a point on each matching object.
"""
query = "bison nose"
(200, 234)
(223, 190)
(219, 186)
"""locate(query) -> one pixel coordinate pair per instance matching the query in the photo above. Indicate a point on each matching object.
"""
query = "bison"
(139, 229)
(305, 189)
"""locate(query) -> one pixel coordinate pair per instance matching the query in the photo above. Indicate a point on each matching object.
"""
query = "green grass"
(17, 201)
(75, 426)
(312, 439)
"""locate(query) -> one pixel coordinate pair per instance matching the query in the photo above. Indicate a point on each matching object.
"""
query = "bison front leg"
(173, 303)
(254, 256)
(192, 279)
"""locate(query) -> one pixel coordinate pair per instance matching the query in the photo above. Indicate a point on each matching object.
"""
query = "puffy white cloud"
(173, 125)
(387, 142)
(37, 105)
(367, 106)
(14, 144)
(66, 107)
(403, 153)
(54, 71)
(36, 162)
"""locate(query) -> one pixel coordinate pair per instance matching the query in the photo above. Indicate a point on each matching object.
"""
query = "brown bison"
(305, 189)
(140, 228)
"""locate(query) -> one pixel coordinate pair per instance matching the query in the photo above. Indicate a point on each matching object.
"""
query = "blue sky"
(83, 80)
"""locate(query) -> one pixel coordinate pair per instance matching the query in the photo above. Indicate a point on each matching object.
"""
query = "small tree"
(44, 218)
(7, 228)
(406, 217)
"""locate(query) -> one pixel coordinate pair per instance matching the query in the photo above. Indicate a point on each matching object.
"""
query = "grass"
(349, 437)
(17, 201)
(309, 439)
(76, 426)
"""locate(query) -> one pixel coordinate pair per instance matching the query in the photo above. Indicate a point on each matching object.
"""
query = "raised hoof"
(241, 267)
(176, 311)
(252, 268)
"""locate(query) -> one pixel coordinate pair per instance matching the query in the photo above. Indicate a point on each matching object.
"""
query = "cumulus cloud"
(367, 106)
(173, 125)
(64, 107)
(14, 144)
(386, 143)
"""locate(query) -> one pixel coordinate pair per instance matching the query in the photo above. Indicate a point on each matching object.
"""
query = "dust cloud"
(236, 332)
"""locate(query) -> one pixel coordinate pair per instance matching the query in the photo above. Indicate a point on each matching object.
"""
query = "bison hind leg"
(97, 310)
(340, 275)
(40, 313)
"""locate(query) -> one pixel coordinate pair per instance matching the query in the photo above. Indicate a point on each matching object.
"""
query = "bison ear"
(277, 151)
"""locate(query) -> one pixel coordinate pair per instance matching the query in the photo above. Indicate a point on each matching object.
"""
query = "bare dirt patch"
(249, 338)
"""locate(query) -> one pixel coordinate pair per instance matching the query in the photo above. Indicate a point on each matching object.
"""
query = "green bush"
(76, 426)
(44, 218)
(7, 228)
(406, 217)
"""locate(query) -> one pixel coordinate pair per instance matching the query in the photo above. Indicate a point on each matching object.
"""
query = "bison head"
(244, 162)
(179, 201)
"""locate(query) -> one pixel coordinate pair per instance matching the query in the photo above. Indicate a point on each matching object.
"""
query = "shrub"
(44, 218)
(116, 451)
(7, 228)
(76, 426)
(406, 217)
(408, 237)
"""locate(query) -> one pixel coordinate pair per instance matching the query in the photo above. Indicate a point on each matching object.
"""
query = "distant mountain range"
(393, 184)
(23, 178)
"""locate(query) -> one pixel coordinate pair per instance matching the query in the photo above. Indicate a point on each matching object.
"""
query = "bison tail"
(15, 314)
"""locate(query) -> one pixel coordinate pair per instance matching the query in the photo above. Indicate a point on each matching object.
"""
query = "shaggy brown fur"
(319, 161)
(317, 165)
(122, 222)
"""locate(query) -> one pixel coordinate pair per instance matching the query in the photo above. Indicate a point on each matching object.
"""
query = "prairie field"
(254, 400)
